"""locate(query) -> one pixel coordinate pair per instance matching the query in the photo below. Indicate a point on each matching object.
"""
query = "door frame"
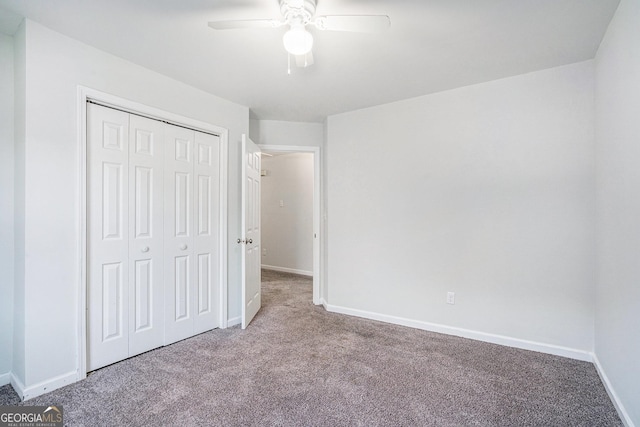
(317, 298)
(85, 94)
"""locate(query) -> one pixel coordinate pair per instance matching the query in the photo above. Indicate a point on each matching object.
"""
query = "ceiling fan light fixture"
(298, 41)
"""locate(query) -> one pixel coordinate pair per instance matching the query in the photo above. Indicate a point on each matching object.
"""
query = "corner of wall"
(20, 70)
(324, 228)
(254, 130)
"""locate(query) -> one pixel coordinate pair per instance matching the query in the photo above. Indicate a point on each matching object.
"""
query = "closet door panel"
(146, 234)
(179, 228)
(207, 233)
(107, 238)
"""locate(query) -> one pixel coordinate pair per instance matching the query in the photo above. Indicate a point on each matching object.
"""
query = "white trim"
(468, 333)
(5, 379)
(244, 149)
(17, 385)
(151, 112)
(288, 270)
(317, 203)
(85, 94)
(224, 228)
(622, 412)
(81, 355)
(234, 321)
(43, 387)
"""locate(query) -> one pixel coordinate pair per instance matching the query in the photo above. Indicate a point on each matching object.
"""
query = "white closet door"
(206, 241)
(107, 246)
(178, 236)
(146, 291)
(153, 194)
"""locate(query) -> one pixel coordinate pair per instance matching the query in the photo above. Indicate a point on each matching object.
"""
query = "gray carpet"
(297, 365)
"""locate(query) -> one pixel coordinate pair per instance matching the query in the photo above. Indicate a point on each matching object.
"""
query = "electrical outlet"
(264, 251)
(451, 297)
(282, 203)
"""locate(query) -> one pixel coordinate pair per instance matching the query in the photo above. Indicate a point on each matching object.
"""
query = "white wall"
(617, 326)
(254, 129)
(274, 132)
(6, 207)
(287, 230)
(55, 66)
(486, 191)
(20, 77)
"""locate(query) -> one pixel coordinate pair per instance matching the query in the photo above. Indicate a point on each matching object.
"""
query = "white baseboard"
(17, 386)
(622, 412)
(288, 270)
(36, 390)
(467, 333)
(234, 321)
(5, 379)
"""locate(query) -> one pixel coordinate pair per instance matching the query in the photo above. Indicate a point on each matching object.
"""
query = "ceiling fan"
(297, 14)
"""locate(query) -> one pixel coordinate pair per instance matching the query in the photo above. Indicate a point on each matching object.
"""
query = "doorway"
(291, 211)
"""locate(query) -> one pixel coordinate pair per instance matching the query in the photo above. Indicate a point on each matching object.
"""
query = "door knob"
(250, 241)
(183, 247)
(145, 249)
(240, 241)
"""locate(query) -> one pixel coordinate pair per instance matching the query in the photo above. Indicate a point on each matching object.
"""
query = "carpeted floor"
(297, 365)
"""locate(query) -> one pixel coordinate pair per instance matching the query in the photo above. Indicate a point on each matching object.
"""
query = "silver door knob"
(183, 247)
(240, 241)
(250, 241)
(145, 249)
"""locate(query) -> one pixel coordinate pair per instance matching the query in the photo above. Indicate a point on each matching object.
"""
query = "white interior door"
(251, 276)
(107, 246)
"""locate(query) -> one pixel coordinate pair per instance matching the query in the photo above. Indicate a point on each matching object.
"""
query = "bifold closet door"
(146, 234)
(107, 246)
(207, 237)
(125, 248)
(191, 232)
(153, 192)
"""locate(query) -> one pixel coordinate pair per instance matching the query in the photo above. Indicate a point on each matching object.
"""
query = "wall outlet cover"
(451, 297)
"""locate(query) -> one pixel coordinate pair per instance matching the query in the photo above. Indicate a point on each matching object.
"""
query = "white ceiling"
(433, 45)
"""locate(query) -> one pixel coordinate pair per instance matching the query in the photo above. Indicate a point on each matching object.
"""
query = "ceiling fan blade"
(304, 61)
(243, 24)
(354, 23)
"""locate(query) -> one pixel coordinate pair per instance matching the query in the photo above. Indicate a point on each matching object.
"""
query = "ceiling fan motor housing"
(298, 12)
